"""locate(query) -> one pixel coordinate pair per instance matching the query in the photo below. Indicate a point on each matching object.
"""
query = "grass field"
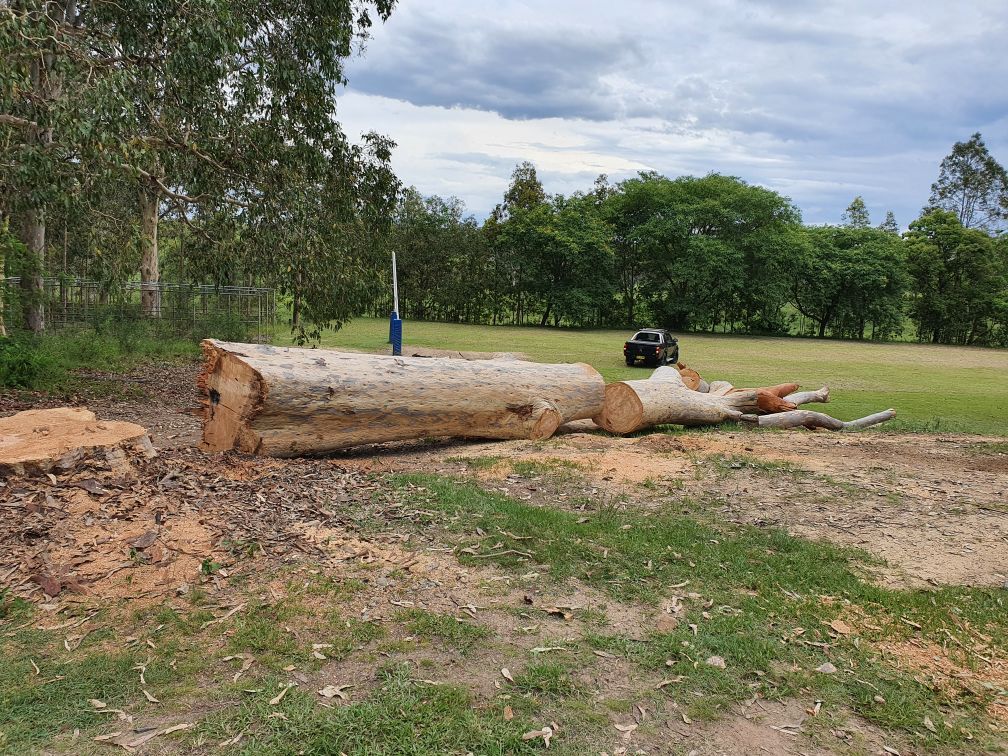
(933, 388)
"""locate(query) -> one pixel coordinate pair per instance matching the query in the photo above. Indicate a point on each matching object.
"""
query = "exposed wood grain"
(287, 402)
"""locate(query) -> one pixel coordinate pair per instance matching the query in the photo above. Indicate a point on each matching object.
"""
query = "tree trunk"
(150, 294)
(664, 399)
(814, 420)
(286, 402)
(31, 271)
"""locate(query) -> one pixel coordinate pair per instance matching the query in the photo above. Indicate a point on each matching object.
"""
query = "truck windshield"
(645, 336)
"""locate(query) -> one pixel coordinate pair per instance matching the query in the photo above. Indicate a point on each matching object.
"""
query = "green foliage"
(960, 281)
(703, 250)
(23, 364)
(856, 215)
(218, 117)
(850, 278)
(972, 185)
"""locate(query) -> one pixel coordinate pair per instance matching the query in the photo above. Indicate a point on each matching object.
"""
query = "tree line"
(714, 253)
(143, 141)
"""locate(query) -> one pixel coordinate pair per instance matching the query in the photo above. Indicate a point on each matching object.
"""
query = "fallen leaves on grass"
(334, 691)
(546, 733)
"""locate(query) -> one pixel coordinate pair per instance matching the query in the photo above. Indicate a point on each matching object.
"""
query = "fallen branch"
(815, 420)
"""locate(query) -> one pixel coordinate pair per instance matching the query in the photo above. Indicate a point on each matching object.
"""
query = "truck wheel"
(674, 357)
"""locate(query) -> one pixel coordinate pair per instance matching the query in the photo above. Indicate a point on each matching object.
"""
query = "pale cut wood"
(664, 399)
(35, 442)
(286, 402)
(799, 398)
(813, 420)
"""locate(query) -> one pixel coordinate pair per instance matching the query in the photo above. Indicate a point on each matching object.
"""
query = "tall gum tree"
(213, 109)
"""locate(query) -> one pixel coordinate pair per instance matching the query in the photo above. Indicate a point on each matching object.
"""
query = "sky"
(820, 101)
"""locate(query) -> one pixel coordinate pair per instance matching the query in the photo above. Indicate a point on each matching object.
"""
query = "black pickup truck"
(652, 345)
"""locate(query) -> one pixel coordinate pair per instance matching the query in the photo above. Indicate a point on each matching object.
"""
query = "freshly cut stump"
(285, 402)
(35, 442)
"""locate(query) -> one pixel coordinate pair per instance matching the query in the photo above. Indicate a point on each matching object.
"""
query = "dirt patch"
(936, 667)
(930, 505)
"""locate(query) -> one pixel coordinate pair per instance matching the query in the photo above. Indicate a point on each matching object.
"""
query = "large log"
(665, 399)
(285, 402)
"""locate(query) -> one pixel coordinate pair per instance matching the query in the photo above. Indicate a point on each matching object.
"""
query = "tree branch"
(13, 120)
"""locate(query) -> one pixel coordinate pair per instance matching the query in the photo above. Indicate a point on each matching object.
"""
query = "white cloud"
(818, 100)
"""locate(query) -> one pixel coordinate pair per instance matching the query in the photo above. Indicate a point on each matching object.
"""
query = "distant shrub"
(24, 363)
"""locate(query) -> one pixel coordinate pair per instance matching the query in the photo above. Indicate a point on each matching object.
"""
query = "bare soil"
(934, 507)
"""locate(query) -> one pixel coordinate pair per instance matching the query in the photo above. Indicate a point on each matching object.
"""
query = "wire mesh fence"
(178, 308)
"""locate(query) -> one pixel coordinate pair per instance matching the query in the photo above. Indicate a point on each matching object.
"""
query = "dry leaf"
(544, 649)
(715, 661)
(627, 730)
(331, 691)
(506, 674)
(878, 699)
(97, 704)
(891, 750)
(149, 697)
(546, 733)
(279, 696)
(841, 627)
(508, 713)
(35, 667)
(176, 728)
(929, 724)
(826, 668)
(107, 736)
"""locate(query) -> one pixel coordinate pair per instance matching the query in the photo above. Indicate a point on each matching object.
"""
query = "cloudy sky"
(821, 101)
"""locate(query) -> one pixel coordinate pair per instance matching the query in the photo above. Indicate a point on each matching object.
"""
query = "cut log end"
(622, 409)
(232, 394)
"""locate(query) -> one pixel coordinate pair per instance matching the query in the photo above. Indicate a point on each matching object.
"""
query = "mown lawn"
(933, 388)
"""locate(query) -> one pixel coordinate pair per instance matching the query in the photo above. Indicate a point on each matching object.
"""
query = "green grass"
(402, 717)
(458, 634)
(933, 388)
(754, 589)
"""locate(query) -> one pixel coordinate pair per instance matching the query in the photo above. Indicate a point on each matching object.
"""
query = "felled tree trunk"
(814, 420)
(287, 402)
(664, 399)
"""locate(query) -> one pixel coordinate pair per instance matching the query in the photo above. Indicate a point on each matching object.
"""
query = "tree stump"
(36, 442)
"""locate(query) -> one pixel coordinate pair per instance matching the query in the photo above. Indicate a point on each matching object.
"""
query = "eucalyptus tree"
(973, 185)
(222, 111)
